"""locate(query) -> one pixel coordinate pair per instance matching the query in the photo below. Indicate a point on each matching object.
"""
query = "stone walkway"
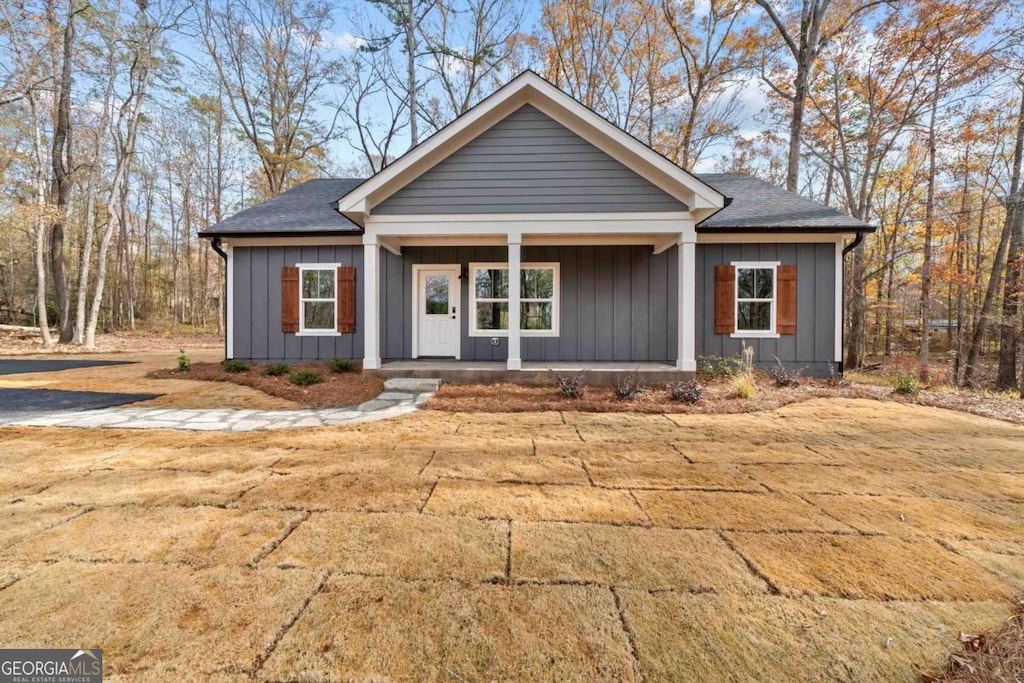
(401, 396)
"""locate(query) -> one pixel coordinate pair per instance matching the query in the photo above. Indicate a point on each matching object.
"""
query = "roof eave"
(207, 234)
(767, 229)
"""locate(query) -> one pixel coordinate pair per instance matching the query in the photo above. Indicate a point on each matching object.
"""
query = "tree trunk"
(125, 155)
(410, 50)
(40, 230)
(929, 217)
(89, 230)
(1009, 335)
(60, 183)
(796, 127)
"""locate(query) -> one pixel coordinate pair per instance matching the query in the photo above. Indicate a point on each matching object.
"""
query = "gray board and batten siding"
(813, 346)
(528, 163)
(618, 303)
(256, 318)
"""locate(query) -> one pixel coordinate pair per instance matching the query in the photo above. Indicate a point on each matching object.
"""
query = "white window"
(538, 299)
(755, 299)
(318, 298)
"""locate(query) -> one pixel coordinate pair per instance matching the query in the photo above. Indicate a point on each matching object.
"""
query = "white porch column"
(686, 319)
(371, 303)
(515, 360)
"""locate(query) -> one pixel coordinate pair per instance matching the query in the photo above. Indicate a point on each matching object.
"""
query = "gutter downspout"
(855, 243)
(858, 238)
(216, 243)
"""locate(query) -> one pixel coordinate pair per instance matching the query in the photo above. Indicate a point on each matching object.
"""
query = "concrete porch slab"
(469, 372)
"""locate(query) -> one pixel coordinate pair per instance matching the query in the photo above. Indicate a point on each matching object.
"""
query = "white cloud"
(342, 42)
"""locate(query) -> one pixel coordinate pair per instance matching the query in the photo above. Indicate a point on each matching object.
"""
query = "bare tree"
(269, 58)
(375, 107)
(712, 60)
(145, 45)
(805, 27)
(487, 31)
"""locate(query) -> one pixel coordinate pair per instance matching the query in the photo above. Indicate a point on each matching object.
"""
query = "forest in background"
(126, 126)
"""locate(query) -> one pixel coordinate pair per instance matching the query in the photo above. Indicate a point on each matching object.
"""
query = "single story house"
(528, 234)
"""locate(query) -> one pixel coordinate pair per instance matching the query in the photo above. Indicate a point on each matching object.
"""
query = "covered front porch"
(531, 372)
(619, 296)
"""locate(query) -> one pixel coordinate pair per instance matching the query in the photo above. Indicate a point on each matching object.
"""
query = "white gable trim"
(529, 88)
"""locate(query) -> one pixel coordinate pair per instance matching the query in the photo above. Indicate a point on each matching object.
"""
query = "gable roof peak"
(529, 87)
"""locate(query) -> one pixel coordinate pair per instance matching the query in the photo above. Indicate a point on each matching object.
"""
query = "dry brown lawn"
(834, 539)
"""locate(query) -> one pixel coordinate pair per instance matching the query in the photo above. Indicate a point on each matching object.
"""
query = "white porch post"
(515, 360)
(686, 321)
(371, 303)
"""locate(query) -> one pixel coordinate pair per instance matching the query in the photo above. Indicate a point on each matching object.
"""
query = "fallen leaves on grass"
(337, 390)
(990, 657)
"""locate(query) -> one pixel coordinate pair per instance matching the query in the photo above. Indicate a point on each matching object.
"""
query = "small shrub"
(718, 366)
(834, 379)
(184, 363)
(233, 365)
(276, 369)
(744, 385)
(304, 378)
(340, 365)
(630, 388)
(690, 391)
(571, 386)
(906, 383)
(783, 376)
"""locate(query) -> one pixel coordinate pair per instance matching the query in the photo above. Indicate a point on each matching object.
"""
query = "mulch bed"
(719, 398)
(337, 390)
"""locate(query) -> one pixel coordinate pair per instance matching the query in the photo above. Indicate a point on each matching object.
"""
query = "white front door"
(438, 308)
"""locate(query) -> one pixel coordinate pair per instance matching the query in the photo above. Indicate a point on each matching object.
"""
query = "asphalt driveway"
(20, 404)
(18, 366)
(836, 539)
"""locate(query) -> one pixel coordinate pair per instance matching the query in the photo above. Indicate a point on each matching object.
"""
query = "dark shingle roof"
(760, 206)
(311, 207)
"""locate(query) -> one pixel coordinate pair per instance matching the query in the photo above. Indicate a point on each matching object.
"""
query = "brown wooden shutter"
(346, 299)
(725, 299)
(785, 315)
(289, 299)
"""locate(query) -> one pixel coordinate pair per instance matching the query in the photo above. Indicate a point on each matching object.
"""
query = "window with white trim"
(538, 299)
(318, 299)
(755, 298)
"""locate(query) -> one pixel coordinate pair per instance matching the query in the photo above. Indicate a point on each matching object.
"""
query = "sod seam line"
(831, 516)
(261, 658)
(630, 635)
(508, 554)
(772, 588)
(430, 493)
(647, 515)
(586, 470)
(275, 542)
(427, 463)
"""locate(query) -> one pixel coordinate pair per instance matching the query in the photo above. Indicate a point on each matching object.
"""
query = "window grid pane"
(318, 315)
(492, 315)
(491, 283)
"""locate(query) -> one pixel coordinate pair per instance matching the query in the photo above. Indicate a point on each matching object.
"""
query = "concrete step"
(411, 384)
